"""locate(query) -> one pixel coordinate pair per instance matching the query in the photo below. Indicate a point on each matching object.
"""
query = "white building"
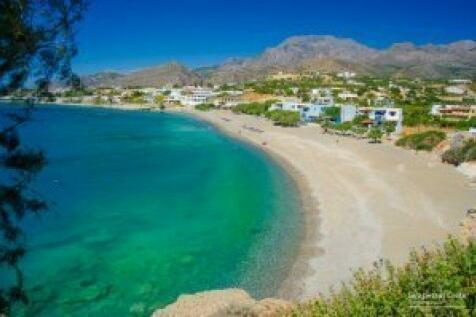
(347, 113)
(347, 95)
(197, 96)
(381, 115)
(460, 81)
(174, 96)
(312, 112)
(435, 110)
(346, 75)
(454, 111)
(288, 106)
(455, 90)
(190, 96)
(307, 111)
(321, 92)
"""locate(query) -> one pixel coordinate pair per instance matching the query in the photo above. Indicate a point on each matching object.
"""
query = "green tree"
(389, 127)
(332, 112)
(284, 118)
(37, 42)
(159, 100)
(375, 134)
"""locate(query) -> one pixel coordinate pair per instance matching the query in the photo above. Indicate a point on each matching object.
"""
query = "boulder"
(224, 303)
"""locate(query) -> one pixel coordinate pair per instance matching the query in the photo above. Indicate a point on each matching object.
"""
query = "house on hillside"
(460, 81)
(347, 96)
(346, 75)
(454, 111)
(455, 90)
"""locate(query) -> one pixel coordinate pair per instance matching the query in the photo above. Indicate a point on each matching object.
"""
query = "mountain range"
(322, 53)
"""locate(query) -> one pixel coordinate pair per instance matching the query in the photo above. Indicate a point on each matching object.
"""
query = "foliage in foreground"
(18, 166)
(425, 141)
(441, 282)
(37, 43)
(458, 155)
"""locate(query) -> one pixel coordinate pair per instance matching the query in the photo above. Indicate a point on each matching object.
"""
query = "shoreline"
(361, 202)
(292, 287)
(328, 254)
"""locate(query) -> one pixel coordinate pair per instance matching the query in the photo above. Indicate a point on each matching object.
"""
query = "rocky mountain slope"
(317, 53)
(328, 53)
(172, 73)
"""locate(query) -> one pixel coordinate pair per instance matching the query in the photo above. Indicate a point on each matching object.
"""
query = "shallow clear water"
(147, 206)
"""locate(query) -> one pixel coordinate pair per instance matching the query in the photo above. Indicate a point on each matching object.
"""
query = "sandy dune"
(371, 201)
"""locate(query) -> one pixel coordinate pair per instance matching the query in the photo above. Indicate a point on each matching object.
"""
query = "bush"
(359, 131)
(389, 127)
(253, 108)
(461, 154)
(343, 127)
(205, 106)
(284, 118)
(461, 125)
(375, 134)
(332, 112)
(388, 290)
(425, 141)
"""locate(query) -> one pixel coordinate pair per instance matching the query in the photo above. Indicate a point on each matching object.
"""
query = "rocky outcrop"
(224, 303)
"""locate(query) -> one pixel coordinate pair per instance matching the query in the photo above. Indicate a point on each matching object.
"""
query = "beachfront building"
(307, 111)
(378, 116)
(347, 113)
(311, 111)
(190, 96)
(454, 111)
(288, 106)
(197, 96)
(229, 99)
(174, 96)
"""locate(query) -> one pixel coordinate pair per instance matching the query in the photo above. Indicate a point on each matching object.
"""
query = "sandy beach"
(362, 201)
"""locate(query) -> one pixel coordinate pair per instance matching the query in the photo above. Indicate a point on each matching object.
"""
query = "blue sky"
(128, 34)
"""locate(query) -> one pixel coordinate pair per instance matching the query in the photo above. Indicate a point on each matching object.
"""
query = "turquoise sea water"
(147, 206)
